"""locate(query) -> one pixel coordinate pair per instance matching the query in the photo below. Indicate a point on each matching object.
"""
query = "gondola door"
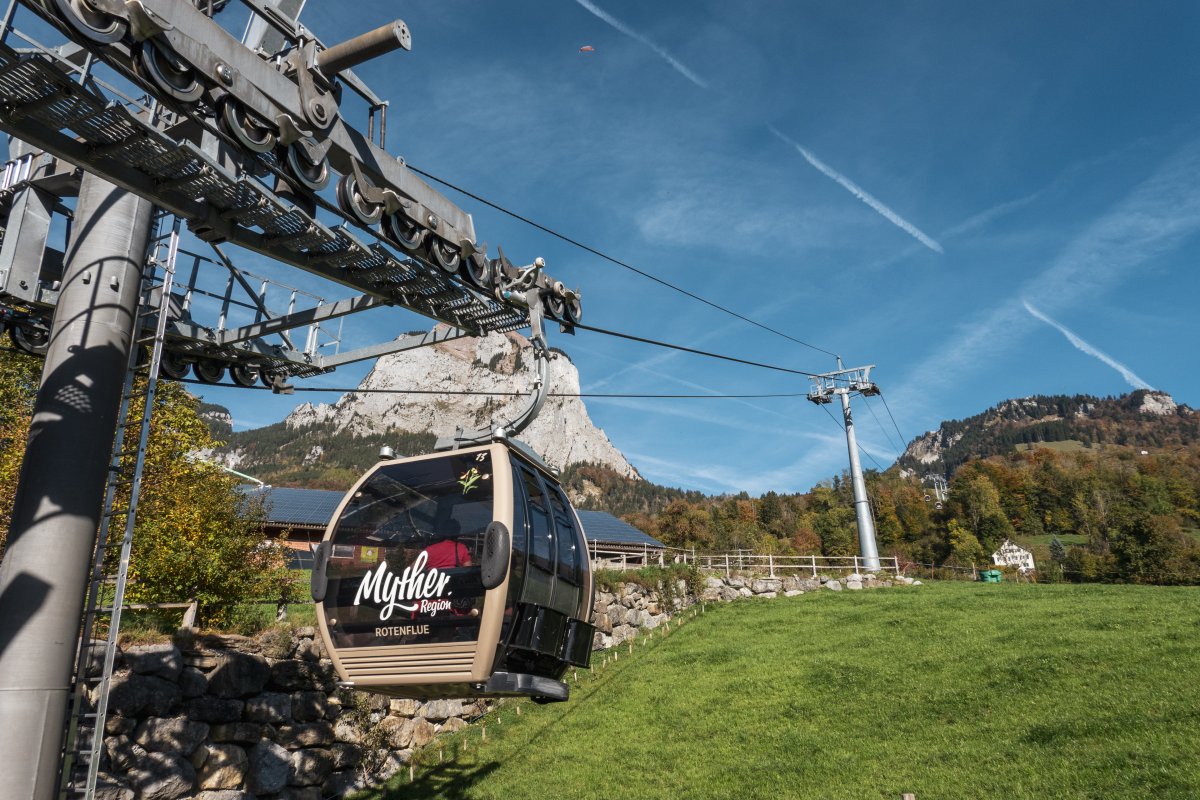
(403, 606)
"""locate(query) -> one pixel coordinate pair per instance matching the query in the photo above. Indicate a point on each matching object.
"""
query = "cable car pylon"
(843, 383)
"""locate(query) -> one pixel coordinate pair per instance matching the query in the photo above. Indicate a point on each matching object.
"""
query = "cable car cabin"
(456, 574)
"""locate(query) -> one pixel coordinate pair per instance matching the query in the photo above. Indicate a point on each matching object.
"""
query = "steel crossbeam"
(41, 104)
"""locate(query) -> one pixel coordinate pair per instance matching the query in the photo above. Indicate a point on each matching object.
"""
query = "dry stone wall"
(237, 718)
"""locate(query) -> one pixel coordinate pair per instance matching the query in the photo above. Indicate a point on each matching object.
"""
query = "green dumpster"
(990, 576)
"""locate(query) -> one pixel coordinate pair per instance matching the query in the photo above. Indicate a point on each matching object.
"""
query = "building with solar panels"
(305, 513)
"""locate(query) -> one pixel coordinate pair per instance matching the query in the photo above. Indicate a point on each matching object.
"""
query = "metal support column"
(57, 510)
(862, 506)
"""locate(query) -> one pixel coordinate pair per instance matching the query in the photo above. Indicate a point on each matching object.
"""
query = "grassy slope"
(953, 690)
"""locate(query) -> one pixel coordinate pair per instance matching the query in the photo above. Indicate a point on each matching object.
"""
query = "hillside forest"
(1098, 490)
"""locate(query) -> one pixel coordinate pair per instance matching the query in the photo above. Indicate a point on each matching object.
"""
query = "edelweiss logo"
(414, 585)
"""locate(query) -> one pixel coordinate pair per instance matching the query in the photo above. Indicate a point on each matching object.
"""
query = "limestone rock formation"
(562, 434)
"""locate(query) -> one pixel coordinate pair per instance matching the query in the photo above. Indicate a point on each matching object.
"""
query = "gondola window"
(405, 569)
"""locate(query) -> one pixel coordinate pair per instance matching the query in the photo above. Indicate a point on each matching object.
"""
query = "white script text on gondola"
(389, 591)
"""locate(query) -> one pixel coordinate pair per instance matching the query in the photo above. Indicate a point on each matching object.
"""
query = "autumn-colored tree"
(198, 537)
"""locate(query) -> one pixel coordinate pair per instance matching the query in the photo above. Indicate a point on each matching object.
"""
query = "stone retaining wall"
(237, 718)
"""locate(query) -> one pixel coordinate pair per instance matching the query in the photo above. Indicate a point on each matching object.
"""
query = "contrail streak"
(859, 192)
(1125, 371)
(632, 34)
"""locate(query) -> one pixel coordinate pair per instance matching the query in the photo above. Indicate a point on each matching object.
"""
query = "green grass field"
(951, 690)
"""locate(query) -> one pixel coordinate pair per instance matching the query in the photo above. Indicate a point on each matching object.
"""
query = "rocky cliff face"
(562, 434)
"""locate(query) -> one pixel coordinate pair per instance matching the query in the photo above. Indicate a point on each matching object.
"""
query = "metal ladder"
(89, 703)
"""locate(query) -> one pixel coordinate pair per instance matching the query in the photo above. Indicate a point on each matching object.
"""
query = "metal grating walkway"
(43, 104)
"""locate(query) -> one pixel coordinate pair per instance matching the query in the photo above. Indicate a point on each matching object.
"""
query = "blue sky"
(984, 200)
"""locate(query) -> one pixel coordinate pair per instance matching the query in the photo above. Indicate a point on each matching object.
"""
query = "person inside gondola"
(448, 552)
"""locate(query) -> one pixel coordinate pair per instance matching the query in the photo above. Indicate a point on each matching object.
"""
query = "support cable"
(886, 434)
(683, 349)
(843, 430)
(889, 410)
(613, 260)
(463, 392)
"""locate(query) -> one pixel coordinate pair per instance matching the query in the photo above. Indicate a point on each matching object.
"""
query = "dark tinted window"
(539, 580)
(570, 566)
(403, 568)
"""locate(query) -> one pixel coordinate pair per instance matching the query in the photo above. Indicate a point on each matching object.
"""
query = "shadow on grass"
(450, 781)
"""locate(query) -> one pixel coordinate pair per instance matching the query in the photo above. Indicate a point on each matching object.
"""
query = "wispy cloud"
(859, 192)
(1158, 215)
(632, 34)
(1126, 373)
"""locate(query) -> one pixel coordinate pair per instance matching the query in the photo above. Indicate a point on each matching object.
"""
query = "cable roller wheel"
(209, 371)
(313, 177)
(249, 132)
(574, 310)
(477, 270)
(168, 71)
(443, 254)
(87, 20)
(556, 307)
(404, 232)
(350, 200)
(172, 365)
(245, 375)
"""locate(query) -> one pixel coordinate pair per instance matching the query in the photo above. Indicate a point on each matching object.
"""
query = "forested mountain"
(1098, 488)
(1142, 419)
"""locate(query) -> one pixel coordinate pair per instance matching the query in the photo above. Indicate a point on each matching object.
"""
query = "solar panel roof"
(298, 506)
(602, 527)
(315, 507)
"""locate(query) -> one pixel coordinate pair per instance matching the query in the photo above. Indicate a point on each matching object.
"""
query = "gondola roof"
(313, 508)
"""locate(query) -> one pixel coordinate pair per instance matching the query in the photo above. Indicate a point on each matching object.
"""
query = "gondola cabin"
(456, 574)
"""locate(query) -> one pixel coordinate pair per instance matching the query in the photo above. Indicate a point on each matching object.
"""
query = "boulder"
(305, 734)
(916, 583)
(346, 731)
(226, 767)
(340, 783)
(422, 732)
(793, 592)
(270, 767)
(162, 776)
(134, 695)
(163, 660)
(239, 675)
(834, 585)
(272, 707)
(309, 650)
(236, 732)
(764, 585)
(123, 753)
(744, 591)
(109, 788)
(768, 595)
(171, 735)
(309, 706)
(310, 767)
(453, 725)
(215, 709)
(192, 683)
(438, 710)
(396, 731)
(855, 585)
(303, 675)
(345, 756)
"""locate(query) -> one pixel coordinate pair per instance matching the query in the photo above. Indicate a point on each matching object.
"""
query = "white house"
(1011, 555)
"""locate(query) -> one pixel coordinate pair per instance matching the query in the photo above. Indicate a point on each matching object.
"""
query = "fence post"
(771, 564)
(727, 565)
(623, 564)
(814, 565)
(189, 616)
